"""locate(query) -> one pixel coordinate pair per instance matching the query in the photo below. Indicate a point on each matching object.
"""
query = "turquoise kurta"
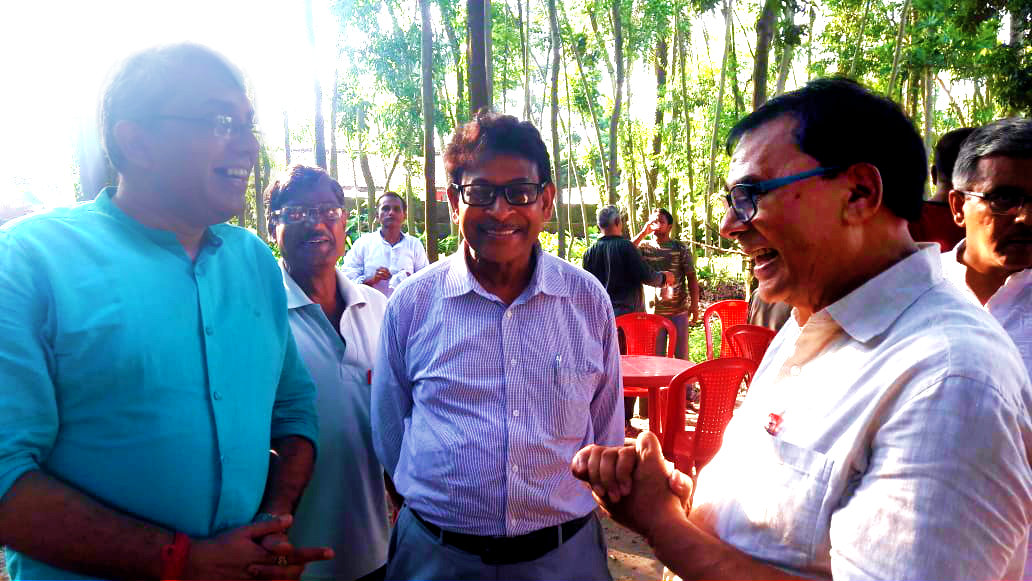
(151, 382)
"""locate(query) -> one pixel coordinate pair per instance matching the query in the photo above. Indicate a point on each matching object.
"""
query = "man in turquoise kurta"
(146, 362)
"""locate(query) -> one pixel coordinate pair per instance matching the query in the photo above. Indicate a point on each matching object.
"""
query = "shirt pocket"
(574, 389)
(780, 521)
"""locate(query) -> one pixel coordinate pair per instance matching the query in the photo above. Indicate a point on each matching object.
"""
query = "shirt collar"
(384, 240)
(106, 205)
(869, 310)
(956, 272)
(547, 277)
(297, 298)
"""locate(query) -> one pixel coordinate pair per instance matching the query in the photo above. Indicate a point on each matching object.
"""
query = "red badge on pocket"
(369, 376)
(773, 424)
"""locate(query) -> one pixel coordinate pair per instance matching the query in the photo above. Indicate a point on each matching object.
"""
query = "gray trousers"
(416, 554)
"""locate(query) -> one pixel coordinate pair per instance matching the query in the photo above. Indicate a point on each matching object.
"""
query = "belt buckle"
(490, 553)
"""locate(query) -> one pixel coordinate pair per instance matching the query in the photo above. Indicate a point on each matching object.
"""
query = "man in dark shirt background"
(616, 263)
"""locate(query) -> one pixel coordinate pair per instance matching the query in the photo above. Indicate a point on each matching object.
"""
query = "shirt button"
(515, 468)
(795, 370)
(508, 314)
(208, 330)
(513, 362)
(516, 413)
(199, 270)
(217, 395)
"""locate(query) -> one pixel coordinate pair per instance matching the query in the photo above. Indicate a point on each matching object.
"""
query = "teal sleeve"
(294, 414)
(28, 399)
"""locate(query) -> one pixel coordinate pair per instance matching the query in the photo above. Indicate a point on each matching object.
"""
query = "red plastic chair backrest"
(749, 341)
(731, 312)
(719, 380)
(641, 332)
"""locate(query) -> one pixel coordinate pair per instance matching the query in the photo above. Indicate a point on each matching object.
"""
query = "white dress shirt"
(343, 506)
(1011, 305)
(371, 251)
(888, 438)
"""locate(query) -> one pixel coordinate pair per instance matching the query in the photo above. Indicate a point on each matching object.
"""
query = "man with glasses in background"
(336, 323)
(146, 359)
(385, 258)
(888, 431)
(992, 201)
(495, 366)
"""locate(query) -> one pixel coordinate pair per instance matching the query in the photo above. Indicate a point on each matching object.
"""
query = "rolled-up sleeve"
(391, 394)
(294, 414)
(28, 400)
(947, 492)
(607, 404)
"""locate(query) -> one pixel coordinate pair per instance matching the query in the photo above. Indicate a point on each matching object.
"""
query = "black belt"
(508, 550)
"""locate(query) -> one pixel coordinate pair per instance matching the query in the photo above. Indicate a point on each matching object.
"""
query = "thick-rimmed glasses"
(221, 125)
(518, 194)
(742, 197)
(1002, 201)
(326, 213)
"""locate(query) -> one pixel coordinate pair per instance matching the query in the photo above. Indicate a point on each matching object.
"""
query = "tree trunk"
(657, 128)
(809, 42)
(286, 137)
(594, 117)
(453, 41)
(320, 138)
(259, 203)
(897, 51)
(430, 187)
(477, 38)
(859, 41)
(334, 101)
(409, 200)
(764, 35)
(572, 154)
(525, 46)
(732, 63)
(601, 43)
(688, 143)
(614, 120)
(784, 67)
(553, 18)
(711, 175)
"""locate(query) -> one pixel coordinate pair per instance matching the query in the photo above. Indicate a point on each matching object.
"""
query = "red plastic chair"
(720, 380)
(730, 313)
(749, 341)
(641, 334)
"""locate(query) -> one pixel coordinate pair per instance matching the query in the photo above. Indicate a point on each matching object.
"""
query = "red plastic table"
(653, 372)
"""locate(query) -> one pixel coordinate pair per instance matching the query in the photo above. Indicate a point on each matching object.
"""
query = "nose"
(245, 141)
(500, 208)
(731, 226)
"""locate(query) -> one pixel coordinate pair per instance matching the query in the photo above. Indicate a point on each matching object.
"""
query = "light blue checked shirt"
(478, 407)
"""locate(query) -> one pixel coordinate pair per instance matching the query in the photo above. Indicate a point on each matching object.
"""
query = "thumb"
(276, 525)
(649, 449)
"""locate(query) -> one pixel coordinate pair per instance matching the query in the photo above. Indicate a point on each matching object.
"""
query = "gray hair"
(141, 84)
(608, 216)
(1005, 138)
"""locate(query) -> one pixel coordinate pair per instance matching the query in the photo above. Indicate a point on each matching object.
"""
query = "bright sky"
(56, 56)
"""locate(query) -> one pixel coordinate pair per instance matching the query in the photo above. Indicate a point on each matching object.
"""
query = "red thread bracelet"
(173, 557)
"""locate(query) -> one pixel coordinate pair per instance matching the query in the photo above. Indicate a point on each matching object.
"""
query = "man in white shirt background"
(992, 201)
(383, 259)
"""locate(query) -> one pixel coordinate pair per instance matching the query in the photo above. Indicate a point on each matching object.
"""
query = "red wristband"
(173, 557)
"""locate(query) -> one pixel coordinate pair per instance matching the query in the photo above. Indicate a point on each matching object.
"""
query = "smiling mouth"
(500, 231)
(317, 240)
(762, 256)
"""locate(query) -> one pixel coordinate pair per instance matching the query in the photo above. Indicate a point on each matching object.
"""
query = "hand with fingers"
(635, 485)
(382, 273)
(256, 551)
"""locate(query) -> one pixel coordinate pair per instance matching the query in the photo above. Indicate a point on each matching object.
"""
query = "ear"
(957, 200)
(865, 193)
(453, 203)
(548, 199)
(132, 141)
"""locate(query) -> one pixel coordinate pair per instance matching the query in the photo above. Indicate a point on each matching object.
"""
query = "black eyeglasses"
(742, 197)
(1002, 201)
(518, 194)
(326, 213)
(221, 125)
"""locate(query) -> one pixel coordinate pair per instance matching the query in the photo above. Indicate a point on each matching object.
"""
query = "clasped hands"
(635, 485)
(256, 551)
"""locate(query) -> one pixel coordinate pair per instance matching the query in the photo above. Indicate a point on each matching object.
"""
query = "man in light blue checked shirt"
(495, 366)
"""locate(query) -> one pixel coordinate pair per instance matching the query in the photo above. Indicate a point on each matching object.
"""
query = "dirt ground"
(630, 558)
